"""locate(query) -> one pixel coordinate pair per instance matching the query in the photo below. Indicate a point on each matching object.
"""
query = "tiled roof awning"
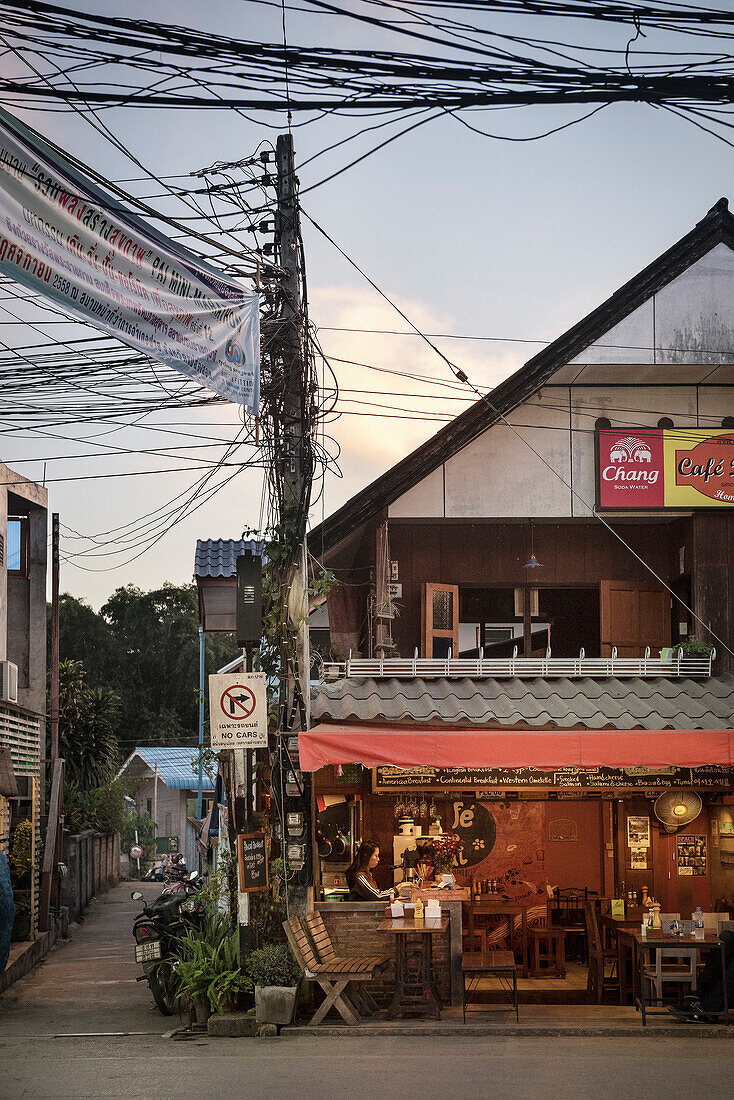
(373, 746)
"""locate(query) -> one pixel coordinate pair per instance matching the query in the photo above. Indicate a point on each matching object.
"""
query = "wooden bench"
(321, 940)
(480, 964)
(334, 976)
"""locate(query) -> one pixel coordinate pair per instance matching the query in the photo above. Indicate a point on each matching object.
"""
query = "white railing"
(672, 665)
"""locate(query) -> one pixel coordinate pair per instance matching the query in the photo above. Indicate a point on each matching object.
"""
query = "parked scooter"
(158, 931)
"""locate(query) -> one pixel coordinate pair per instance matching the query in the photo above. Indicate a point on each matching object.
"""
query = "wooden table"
(509, 910)
(624, 930)
(414, 989)
(683, 945)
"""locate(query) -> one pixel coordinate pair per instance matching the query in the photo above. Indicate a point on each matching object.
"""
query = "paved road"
(60, 1038)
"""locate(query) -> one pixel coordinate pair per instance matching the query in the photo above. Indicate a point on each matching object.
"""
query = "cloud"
(370, 443)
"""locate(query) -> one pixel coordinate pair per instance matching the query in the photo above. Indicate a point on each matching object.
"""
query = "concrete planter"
(275, 1004)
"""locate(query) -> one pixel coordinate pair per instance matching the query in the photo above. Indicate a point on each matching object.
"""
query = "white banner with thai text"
(62, 236)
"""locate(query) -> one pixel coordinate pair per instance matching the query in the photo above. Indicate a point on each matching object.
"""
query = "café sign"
(657, 468)
(389, 778)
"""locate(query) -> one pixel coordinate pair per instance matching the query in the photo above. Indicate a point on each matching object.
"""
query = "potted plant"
(230, 983)
(275, 974)
(193, 973)
(445, 849)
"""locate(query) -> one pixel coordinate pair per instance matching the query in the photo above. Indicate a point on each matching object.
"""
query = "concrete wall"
(93, 863)
(499, 476)
(23, 599)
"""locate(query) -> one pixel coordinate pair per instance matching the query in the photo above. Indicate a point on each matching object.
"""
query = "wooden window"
(634, 616)
(439, 620)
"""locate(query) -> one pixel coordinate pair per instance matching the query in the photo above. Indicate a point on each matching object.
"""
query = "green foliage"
(146, 834)
(144, 646)
(208, 969)
(21, 852)
(692, 647)
(273, 964)
(88, 724)
(101, 809)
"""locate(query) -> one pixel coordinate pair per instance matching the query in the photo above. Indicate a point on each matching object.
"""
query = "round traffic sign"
(237, 702)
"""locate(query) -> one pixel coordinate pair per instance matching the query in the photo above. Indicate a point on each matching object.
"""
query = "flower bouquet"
(445, 849)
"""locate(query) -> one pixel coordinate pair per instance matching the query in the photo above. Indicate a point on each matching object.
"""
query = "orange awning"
(406, 747)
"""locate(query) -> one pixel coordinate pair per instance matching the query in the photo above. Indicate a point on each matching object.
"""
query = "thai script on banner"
(660, 468)
(62, 236)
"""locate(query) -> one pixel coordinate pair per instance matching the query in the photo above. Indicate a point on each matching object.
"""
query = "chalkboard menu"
(388, 778)
(252, 859)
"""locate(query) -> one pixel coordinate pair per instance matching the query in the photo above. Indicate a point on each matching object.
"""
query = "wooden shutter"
(634, 616)
(439, 620)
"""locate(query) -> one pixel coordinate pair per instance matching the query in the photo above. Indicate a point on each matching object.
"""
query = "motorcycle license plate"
(146, 952)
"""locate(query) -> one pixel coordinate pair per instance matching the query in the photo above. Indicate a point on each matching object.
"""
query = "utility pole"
(54, 708)
(296, 483)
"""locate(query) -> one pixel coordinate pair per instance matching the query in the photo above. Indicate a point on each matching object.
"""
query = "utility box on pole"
(249, 599)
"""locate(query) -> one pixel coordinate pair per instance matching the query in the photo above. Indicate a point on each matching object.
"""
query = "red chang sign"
(631, 468)
(655, 468)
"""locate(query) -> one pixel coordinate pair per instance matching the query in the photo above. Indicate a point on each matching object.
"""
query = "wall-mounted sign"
(638, 832)
(238, 711)
(252, 862)
(389, 778)
(683, 468)
(691, 853)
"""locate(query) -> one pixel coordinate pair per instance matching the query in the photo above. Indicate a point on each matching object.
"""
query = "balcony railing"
(674, 664)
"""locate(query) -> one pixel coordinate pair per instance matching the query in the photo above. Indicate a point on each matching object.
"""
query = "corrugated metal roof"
(175, 765)
(218, 557)
(623, 704)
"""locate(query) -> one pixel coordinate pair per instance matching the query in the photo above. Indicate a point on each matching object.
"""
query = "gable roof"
(175, 765)
(717, 227)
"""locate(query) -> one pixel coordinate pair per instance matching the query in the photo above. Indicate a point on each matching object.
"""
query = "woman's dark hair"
(361, 861)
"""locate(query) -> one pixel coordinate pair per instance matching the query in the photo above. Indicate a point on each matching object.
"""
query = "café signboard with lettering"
(388, 778)
(659, 468)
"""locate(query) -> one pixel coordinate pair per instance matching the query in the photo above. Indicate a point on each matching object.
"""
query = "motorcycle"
(158, 931)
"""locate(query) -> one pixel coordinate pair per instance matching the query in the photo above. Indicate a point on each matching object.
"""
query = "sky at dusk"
(471, 235)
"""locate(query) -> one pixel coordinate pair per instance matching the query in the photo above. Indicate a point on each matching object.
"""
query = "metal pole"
(54, 636)
(155, 806)
(200, 789)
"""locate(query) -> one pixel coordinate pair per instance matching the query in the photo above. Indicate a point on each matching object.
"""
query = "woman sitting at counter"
(362, 886)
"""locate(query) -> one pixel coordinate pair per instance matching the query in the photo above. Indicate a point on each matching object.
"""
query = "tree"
(85, 636)
(144, 646)
(88, 722)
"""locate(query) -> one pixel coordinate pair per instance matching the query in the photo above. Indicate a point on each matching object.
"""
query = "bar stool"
(548, 952)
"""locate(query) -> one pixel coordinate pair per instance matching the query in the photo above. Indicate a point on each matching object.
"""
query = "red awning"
(334, 743)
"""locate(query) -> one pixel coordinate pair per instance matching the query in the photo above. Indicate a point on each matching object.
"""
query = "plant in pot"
(230, 983)
(193, 974)
(275, 974)
(445, 849)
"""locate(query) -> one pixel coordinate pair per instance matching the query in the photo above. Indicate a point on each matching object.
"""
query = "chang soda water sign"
(657, 468)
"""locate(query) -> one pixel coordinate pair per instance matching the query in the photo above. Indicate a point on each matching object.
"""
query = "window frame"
(25, 546)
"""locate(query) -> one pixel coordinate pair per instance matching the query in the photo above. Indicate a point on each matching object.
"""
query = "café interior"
(556, 877)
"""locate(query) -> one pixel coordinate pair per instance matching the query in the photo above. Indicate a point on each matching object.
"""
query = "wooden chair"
(599, 981)
(711, 921)
(333, 977)
(566, 911)
(547, 953)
